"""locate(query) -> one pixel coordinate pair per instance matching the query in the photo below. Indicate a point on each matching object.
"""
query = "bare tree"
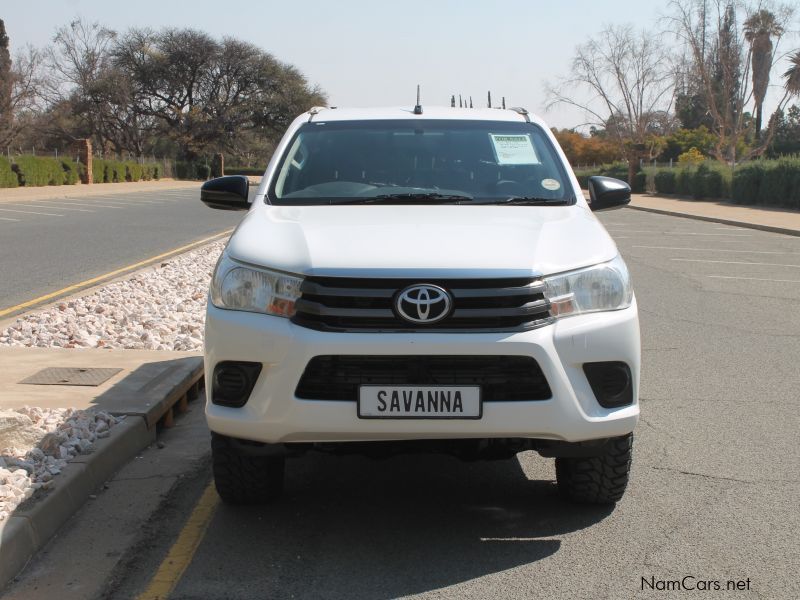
(629, 89)
(20, 84)
(206, 93)
(6, 86)
(723, 69)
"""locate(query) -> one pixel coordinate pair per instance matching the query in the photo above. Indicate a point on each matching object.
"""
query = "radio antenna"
(470, 101)
(489, 94)
(453, 101)
(460, 105)
(504, 102)
(418, 107)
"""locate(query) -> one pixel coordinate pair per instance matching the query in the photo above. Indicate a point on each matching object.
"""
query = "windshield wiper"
(532, 201)
(411, 198)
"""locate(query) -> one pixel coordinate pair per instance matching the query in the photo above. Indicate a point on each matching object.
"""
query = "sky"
(374, 53)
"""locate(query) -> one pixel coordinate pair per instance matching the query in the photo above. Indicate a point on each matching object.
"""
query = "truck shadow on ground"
(357, 528)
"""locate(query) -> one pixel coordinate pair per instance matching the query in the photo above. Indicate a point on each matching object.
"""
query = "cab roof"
(407, 112)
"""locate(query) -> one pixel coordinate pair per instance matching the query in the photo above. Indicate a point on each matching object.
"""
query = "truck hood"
(434, 241)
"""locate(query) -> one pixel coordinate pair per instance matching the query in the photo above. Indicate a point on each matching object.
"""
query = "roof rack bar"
(521, 111)
(313, 111)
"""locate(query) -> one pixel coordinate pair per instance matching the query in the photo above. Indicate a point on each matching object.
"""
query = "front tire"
(598, 479)
(243, 478)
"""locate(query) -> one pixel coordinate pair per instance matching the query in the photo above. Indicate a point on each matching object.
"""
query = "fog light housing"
(233, 381)
(611, 383)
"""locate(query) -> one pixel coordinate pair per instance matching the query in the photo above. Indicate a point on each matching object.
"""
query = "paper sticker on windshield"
(550, 184)
(513, 149)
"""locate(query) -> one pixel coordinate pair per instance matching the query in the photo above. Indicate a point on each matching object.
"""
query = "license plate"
(419, 402)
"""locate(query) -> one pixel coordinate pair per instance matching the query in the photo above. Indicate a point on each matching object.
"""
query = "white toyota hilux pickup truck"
(412, 279)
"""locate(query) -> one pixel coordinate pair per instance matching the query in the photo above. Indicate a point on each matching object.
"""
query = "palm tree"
(759, 29)
(792, 75)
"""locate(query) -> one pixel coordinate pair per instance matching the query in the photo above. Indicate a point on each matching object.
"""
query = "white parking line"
(753, 278)
(623, 230)
(106, 201)
(714, 250)
(30, 212)
(733, 262)
(93, 205)
(6, 219)
(51, 206)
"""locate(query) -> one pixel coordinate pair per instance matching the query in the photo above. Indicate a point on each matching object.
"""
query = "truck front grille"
(345, 304)
(502, 378)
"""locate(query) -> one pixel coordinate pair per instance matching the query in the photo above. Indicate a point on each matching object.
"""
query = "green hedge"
(117, 171)
(665, 181)
(254, 171)
(193, 170)
(108, 171)
(72, 171)
(34, 171)
(705, 181)
(763, 182)
(769, 183)
(8, 179)
(39, 171)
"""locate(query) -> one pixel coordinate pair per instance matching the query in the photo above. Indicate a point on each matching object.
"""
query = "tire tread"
(598, 479)
(244, 479)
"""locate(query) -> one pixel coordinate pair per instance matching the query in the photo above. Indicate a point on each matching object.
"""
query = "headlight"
(606, 286)
(237, 287)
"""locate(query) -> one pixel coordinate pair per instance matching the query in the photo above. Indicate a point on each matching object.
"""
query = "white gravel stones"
(60, 434)
(157, 309)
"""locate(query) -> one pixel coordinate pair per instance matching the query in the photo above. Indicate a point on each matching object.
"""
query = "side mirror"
(606, 192)
(226, 193)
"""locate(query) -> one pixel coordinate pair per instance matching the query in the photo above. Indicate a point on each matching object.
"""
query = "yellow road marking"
(180, 555)
(99, 278)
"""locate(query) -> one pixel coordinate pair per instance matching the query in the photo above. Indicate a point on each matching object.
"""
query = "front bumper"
(274, 415)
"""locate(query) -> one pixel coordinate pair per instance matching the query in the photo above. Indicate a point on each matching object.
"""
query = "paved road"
(713, 494)
(46, 245)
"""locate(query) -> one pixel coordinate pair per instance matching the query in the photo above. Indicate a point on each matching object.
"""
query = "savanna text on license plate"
(419, 402)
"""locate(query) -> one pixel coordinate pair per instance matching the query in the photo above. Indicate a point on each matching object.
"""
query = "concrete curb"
(33, 523)
(744, 224)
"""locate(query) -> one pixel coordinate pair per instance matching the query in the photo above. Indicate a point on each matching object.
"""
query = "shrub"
(692, 156)
(149, 171)
(72, 171)
(258, 171)
(119, 170)
(34, 171)
(185, 170)
(98, 170)
(203, 171)
(712, 184)
(746, 183)
(639, 183)
(8, 179)
(665, 181)
(133, 171)
(697, 182)
(683, 182)
(779, 181)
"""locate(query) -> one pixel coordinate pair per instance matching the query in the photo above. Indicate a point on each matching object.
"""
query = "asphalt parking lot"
(46, 245)
(713, 495)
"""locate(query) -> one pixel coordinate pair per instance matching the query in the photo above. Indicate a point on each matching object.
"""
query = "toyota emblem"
(423, 303)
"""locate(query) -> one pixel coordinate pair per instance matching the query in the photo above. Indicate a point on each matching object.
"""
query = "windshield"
(413, 161)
